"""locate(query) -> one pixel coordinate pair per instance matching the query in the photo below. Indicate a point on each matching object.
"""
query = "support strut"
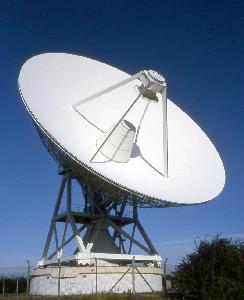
(101, 218)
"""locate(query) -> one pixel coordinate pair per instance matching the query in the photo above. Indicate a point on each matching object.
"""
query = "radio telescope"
(126, 145)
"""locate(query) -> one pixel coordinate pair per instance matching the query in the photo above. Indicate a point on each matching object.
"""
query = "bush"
(215, 271)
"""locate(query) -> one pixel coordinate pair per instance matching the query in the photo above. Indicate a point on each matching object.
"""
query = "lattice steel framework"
(98, 211)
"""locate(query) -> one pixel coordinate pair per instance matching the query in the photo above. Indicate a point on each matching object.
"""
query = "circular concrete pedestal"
(92, 279)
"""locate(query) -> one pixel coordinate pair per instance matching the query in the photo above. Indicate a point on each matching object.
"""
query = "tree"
(214, 271)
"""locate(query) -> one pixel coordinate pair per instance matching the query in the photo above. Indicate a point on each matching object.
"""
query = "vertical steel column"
(68, 202)
(133, 275)
(55, 212)
(59, 272)
(70, 215)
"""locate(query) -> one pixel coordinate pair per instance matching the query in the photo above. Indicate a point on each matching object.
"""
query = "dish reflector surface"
(51, 83)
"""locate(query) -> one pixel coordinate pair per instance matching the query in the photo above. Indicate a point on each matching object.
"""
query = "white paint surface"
(51, 83)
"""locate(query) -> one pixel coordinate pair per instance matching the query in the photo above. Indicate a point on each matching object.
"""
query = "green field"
(85, 297)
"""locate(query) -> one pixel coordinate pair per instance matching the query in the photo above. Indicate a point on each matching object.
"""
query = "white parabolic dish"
(51, 83)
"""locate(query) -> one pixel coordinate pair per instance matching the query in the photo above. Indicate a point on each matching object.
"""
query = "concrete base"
(89, 279)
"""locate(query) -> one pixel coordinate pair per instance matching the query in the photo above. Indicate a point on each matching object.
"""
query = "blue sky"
(197, 45)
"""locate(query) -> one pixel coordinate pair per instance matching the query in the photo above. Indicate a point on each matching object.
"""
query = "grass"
(126, 296)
